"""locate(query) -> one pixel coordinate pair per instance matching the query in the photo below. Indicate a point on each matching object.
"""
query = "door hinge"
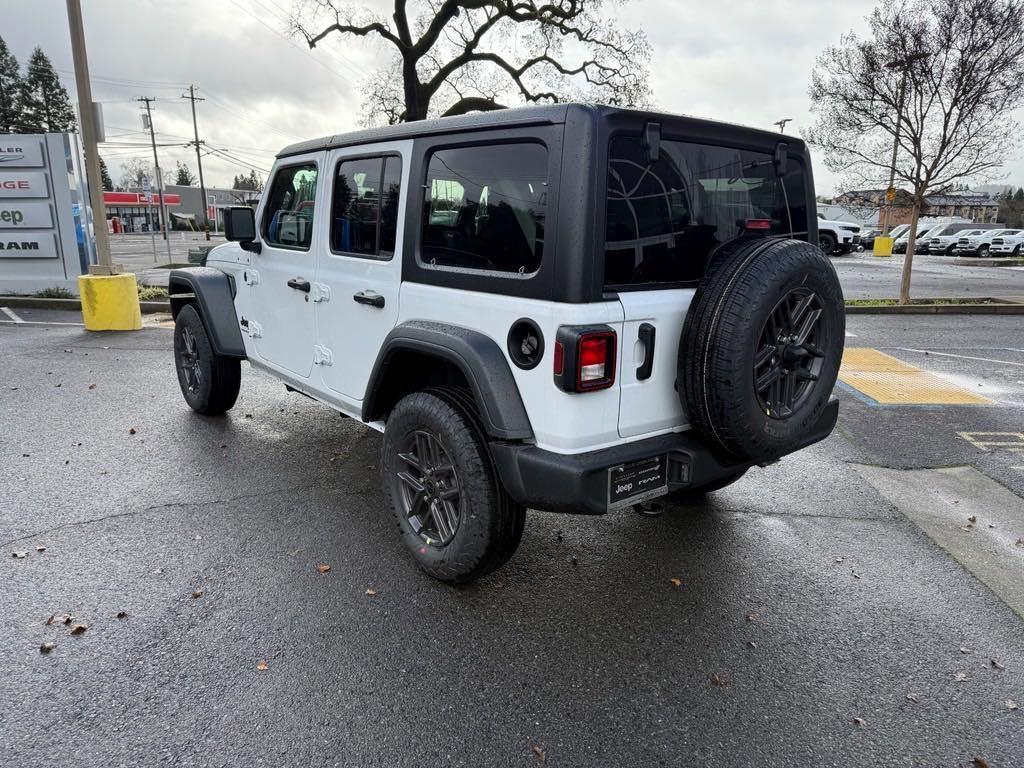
(321, 292)
(251, 327)
(322, 356)
(251, 277)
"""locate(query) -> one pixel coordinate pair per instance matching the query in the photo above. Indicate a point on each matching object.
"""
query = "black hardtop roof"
(549, 114)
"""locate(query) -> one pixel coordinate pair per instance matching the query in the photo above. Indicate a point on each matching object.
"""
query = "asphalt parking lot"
(840, 628)
(872, 277)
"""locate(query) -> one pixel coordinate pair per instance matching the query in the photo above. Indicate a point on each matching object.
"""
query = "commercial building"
(184, 207)
(979, 207)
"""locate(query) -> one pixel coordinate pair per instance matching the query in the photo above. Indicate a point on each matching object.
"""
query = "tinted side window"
(485, 206)
(364, 209)
(288, 216)
(663, 218)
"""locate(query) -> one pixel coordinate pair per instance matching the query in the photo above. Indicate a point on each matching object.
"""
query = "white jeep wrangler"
(565, 308)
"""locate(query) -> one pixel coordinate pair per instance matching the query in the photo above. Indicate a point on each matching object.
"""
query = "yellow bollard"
(883, 246)
(110, 302)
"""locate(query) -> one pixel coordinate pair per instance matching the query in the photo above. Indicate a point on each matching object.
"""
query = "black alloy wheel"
(430, 489)
(188, 361)
(790, 351)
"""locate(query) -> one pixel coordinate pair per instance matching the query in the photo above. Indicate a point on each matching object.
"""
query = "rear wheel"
(453, 514)
(209, 382)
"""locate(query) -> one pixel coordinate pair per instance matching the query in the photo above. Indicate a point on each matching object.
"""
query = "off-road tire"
(490, 522)
(827, 243)
(220, 377)
(746, 282)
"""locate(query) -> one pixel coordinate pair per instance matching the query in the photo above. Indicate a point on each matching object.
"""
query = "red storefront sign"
(137, 199)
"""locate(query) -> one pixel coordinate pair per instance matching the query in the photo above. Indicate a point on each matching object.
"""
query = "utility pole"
(104, 265)
(159, 176)
(199, 158)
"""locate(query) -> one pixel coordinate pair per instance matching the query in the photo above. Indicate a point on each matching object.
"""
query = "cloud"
(742, 61)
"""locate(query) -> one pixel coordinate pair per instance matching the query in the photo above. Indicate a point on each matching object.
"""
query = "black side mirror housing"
(240, 227)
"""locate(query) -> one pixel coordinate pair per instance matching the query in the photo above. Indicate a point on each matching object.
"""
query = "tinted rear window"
(663, 218)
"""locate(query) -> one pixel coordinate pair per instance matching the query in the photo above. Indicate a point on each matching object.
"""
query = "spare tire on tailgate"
(761, 346)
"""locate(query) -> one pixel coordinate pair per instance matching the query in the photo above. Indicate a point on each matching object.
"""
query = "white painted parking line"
(19, 321)
(962, 357)
(10, 313)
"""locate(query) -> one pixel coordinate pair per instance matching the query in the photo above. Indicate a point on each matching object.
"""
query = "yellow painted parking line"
(890, 381)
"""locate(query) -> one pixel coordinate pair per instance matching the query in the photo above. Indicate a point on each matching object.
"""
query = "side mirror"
(240, 227)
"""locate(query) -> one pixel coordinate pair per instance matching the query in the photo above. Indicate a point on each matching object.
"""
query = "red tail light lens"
(758, 225)
(559, 358)
(596, 368)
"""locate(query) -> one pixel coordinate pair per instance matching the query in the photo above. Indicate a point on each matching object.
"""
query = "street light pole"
(159, 176)
(104, 265)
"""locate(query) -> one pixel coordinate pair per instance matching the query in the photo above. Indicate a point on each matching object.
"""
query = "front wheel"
(453, 514)
(827, 243)
(982, 251)
(209, 382)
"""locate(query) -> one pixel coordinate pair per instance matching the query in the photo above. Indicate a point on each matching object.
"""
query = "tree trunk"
(416, 105)
(908, 262)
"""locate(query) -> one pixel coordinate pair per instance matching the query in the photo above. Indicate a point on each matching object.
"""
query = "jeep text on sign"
(28, 215)
(23, 184)
(25, 245)
(20, 153)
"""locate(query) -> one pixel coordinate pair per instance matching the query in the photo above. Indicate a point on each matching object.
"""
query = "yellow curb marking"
(889, 381)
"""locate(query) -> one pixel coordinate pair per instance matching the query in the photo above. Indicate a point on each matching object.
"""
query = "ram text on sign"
(23, 245)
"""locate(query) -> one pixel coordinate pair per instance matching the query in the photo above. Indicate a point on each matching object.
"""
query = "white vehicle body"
(1008, 244)
(979, 244)
(946, 242)
(926, 229)
(846, 234)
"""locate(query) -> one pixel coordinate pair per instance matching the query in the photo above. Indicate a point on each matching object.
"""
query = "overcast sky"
(743, 61)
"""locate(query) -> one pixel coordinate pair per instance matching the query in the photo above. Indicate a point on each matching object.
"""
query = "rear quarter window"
(664, 217)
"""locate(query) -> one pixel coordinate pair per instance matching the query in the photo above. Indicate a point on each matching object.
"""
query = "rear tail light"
(757, 225)
(584, 358)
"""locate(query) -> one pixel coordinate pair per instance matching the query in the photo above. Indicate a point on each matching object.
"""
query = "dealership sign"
(23, 183)
(27, 215)
(15, 245)
(21, 153)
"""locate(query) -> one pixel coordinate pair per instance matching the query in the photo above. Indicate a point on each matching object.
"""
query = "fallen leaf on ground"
(198, 593)
(839, 559)
(79, 629)
(92, 386)
(49, 621)
(18, 555)
(859, 720)
(979, 762)
(248, 415)
(263, 666)
(972, 519)
(122, 614)
(719, 680)
(995, 664)
(965, 528)
(322, 568)
(964, 650)
(751, 643)
(960, 677)
(1020, 542)
(1011, 705)
(913, 697)
(371, 592)
(131, 430)
(68, 619)
(47, 647)
(854, 574)
(675, 582)
(540, 753)
(751, 617)
(40, 548)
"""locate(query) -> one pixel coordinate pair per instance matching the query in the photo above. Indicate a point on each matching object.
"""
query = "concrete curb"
(1001, 306)
(75, 305)
(1008, 261)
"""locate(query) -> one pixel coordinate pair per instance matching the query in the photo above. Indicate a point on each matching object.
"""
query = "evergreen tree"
(184, 176)
(1019, 196)
(43, 103)
(10, 88)
(108, 184)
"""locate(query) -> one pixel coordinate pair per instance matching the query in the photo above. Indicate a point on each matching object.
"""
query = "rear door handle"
(646, 336)
(371, 298)
(299, 284)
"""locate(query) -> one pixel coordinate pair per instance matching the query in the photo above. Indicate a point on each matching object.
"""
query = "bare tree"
(458, 56)
(926, 97)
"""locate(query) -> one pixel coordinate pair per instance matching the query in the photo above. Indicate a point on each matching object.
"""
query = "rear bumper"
(578, 483)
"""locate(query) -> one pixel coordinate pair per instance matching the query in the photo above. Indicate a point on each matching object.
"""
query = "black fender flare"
(477, 356)
(213, 293)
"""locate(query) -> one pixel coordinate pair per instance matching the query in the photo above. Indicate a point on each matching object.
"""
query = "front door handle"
(371, 298)
(299, 284)
(646, 337)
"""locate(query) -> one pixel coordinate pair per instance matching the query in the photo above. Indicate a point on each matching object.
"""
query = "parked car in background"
(1008, 245)
(945, 243)
(837, 237)
(979, 245)
(926, 228)
(867, 238)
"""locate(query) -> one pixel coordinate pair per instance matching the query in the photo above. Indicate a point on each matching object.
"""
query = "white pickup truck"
(979, 245)
(1007, 245)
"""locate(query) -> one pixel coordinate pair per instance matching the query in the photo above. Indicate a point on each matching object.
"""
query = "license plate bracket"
(637, 481)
